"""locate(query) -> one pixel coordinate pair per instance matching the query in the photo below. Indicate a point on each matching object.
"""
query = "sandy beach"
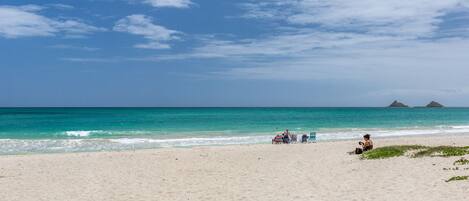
(317, 171)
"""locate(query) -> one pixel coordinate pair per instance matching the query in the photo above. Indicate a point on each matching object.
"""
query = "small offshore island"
(435, 104)
(398, 104)
(432, 104)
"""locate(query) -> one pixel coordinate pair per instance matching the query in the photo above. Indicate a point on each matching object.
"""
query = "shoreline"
(132, 147)
(261, 172)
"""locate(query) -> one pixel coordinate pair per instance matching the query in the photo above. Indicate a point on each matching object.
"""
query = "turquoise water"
(90, 129)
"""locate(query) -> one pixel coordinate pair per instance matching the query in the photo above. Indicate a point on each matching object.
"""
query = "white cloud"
(390, 62)
(169, 3)
(73, 28)
(286, 44)
(28, 7)
(370, 48)
(92, 60)
(418, 18)
(316, 26)
(60, 6)
(72, 47)
(308, 52)
(318, 30)
(18, 22)
(24, 21)
(395, 46)
(142, 25)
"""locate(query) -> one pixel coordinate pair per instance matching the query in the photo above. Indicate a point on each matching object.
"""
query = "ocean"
(44, 130)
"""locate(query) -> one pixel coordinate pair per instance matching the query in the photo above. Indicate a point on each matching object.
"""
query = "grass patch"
(443, 151)
(420, 151)
(461, 161)
(390, 151)
(457, 178)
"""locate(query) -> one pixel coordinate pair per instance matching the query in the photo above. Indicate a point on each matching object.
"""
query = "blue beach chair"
(312, 137)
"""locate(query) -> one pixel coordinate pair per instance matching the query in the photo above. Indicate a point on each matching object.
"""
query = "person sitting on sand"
(304, 138)
(366, 144)
(286, 137)
(278, 139)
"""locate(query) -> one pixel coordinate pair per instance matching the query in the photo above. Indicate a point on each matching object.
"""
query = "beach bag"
(358, 151)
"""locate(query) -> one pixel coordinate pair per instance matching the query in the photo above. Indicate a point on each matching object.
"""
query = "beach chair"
(294, 138)
(312, 137)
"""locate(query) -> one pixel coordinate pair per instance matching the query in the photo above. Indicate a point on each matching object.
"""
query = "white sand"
(319, 171)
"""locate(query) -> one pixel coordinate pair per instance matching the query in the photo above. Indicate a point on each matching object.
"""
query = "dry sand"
(319, 171)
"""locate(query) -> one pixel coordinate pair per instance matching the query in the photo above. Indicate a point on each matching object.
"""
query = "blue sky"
(233, 53)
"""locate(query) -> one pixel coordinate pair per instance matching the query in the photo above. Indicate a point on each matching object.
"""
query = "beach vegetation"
(442, 151)
(416, 151)
(390, 151)
(461, 161)
(458, 178)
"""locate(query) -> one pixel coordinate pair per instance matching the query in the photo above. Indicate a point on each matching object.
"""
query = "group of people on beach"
(286, 138)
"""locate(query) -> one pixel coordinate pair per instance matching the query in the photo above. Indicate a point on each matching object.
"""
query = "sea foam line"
(15, 146)
(83, 133)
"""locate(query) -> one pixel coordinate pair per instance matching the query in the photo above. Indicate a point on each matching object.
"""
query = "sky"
(236, 53)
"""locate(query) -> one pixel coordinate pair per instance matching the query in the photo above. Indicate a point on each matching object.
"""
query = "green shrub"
(444, 151)
(390, 151)
(461, 161)
(457, 178)
(421, 151)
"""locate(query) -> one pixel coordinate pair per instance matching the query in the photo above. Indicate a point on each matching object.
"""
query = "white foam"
(460, 127)
(14, 146)
(199, 141)
(82, 133)
(357, 133)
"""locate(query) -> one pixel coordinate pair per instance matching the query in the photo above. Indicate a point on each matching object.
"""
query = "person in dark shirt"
(286, 137)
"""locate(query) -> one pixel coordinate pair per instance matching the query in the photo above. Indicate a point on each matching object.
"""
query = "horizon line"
(3, 107)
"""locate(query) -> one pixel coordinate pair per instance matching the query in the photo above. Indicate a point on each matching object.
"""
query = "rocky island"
(434, 104)
(397, 104)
